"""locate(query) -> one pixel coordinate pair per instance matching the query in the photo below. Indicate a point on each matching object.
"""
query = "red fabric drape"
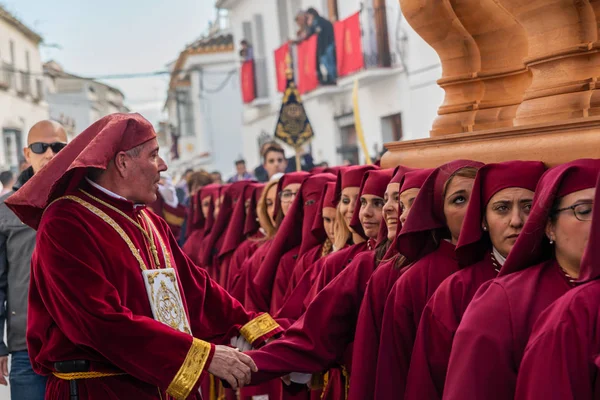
(281, 65)
(307, 65)
(248, 87)
(348, 43)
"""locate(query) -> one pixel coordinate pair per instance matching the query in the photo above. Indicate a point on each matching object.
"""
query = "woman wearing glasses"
(543, 265)
(561, 359)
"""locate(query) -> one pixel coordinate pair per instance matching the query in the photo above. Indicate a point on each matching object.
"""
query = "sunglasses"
(41, 148)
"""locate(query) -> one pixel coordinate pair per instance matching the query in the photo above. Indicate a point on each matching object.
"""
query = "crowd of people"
(464, 281)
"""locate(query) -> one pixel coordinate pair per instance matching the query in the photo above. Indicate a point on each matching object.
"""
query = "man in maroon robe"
(91, 320)
(491, 338)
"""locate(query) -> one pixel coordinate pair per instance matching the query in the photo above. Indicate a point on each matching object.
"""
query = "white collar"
(109, 193)
(499, 257)
(104, 190)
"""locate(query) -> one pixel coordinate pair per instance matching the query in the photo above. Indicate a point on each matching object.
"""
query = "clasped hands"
(231, 365)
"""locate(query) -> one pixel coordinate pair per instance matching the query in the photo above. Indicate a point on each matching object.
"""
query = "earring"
(485, 228)
(551, 241)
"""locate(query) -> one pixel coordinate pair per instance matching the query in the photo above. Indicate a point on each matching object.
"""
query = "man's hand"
(231, 365)
(3, 370)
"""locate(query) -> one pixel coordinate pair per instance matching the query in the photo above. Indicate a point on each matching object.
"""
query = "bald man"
(45, 139)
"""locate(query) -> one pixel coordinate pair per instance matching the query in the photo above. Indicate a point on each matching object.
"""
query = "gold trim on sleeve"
(258, 327)
(189, 373)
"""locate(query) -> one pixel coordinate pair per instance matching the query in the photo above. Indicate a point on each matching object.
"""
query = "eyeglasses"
(582, 211)
(287, 196)
(41, 148)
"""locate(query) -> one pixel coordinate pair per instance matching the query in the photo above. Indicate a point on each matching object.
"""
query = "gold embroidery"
(106, 218)
(172, 218)
(190, 370)
(71, 376)
(258, 327)
(137, 225)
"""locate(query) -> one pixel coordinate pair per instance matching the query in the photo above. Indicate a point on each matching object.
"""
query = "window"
(12, 147)
(391, 128)
(27, 61)
(12, 52)
(348, 150)
(260, 59)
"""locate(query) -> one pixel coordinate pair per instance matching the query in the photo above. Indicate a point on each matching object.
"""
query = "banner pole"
(298, 164)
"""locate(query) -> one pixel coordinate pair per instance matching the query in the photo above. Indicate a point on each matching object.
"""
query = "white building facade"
(398, 95)
(22, 101)
(204, 106)
(78, 102)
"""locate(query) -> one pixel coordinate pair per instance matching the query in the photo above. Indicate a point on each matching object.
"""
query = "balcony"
(24, 88)
(7, 76)
(369, 45)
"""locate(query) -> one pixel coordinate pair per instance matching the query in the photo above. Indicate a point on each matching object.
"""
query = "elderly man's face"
(143, 173)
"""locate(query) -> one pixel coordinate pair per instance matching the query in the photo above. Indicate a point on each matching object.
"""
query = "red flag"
(348, 43)
(281, 65)
(307, 65)
(247, 75)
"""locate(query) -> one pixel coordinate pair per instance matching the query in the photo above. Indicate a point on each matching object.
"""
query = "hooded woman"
(295, 230)
(432, 228)
(202, 221)
(499, 207)
(542, 266)
(235, 233)
(252, 232)
(322, 337)
(561, 359)
(258, 296)
(368, 326)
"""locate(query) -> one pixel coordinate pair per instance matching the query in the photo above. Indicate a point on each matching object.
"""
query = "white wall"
(415, 95)
(16, 112)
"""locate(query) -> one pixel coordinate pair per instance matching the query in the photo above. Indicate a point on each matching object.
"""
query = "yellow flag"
(358, 125)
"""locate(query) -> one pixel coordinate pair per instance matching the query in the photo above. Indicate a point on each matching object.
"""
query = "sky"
(112, 37)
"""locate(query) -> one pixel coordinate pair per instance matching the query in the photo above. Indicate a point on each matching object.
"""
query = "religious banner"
(293, 126)
(247, 77)
(281, 55)
(348, 43)
(307, 65)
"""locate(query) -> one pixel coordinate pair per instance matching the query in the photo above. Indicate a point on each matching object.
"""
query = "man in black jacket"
(326, 57)
(45, 139)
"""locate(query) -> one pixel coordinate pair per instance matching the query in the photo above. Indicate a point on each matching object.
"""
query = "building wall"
(216, 139)
(16, 112)
(81, 100)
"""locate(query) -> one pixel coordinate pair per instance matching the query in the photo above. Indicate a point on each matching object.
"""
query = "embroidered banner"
(348, 43)
(307, 65)
(281, 55)
(247, 76)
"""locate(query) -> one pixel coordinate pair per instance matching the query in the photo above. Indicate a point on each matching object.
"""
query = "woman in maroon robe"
(251, 232)
(323, 336)
(432, 228)
(278, 265)
(234, 234)
(562, 359)
(258, 296)
(230, 195)
(499, 206)
(368, 326)
(366, 222)
(264, 210)
(491, 338)
(202, 220)
(322, 235)
(324, 270)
